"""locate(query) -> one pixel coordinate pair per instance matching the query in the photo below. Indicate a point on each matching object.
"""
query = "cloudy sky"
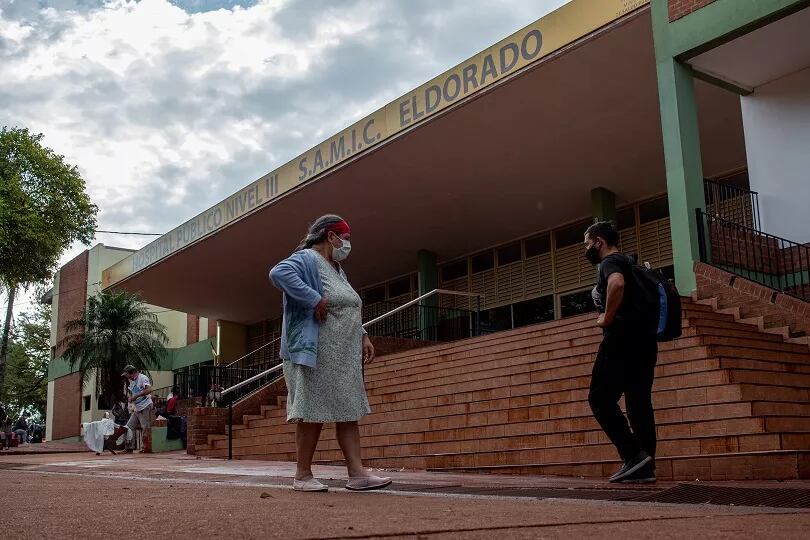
(168, 106)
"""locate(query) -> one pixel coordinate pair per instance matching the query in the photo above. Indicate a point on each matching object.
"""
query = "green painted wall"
(161, 444)
(684, 169)
(718, 22)
(175, 358)
(603, 204)
(191, 354)
(428, 276)
(58, 368)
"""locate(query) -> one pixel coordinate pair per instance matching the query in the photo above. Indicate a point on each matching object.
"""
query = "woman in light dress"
(323, 346)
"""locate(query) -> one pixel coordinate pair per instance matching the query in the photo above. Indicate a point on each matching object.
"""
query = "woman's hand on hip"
(321, 310)
(368, 349)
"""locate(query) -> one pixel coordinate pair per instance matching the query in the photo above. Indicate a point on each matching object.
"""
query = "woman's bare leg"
(348, 436)
(306, 440)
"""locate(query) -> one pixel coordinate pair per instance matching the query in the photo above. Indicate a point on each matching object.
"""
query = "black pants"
(625, 365)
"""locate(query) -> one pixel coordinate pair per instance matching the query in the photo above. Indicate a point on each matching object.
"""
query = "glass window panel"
(538, 245)
(576, 303)
(509, 254)
(534, 311)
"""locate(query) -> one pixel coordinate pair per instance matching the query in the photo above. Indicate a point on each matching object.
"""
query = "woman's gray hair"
(317, 231)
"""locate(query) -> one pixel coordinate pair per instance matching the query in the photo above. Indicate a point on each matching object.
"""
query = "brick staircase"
(749, 302)
(732, 402)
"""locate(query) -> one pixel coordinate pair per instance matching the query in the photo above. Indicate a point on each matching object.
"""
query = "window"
(377, 294)
(496, 319)
(538, 245)
(534, 311)
(509, 254)
(399, 287)
(575, 234)
(483, 261)
(454, 270)
(576, 303)
(653, 210)
(86, 403)
(102, 404)
(626, 218)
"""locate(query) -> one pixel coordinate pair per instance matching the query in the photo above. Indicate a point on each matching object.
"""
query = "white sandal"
(367, 483)
(309, 485)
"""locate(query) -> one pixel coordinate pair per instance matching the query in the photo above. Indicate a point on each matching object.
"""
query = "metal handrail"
(369, 323)
(278, 367)
(253, 351)
(717, 193)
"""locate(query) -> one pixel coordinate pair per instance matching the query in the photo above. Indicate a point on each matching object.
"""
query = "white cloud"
(168, 107)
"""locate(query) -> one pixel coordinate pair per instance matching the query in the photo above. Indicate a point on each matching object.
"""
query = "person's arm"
(615, 294)
(286, 275)
(368, 349)
(145, 392)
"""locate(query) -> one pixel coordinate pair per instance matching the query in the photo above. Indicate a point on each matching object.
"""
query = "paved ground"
(45, 448)
(84, 496)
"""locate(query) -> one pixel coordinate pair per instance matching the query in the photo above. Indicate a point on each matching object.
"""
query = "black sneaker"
(631, 466)
(644, 475)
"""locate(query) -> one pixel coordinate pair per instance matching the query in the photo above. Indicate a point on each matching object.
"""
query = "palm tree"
(115, 329)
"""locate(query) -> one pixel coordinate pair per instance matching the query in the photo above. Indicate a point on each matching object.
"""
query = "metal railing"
(231, 393)
(731, 203)
(422, 323)
(782, 265)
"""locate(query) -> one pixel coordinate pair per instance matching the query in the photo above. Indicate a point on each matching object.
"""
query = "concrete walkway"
(45, 448)
(84, 496)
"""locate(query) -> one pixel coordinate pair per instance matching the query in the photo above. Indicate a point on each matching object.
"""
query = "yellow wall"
(232, 341)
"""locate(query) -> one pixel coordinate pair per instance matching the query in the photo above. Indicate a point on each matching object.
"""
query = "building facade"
(69, 401)
(684, 122)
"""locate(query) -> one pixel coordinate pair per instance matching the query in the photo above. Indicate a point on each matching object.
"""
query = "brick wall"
(681, 8)
(213, 422)
(754, 299)
(204, 421)
(72, 293)
(67, 391)
(192, 329)
(67, 407)
(212, 328)
(389, 345)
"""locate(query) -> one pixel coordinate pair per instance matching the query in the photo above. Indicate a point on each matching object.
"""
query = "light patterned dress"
(334, 390)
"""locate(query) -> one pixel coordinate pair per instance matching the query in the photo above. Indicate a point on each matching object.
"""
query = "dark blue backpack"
(658, 303)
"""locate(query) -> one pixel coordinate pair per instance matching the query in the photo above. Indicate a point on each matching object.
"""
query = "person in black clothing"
(21, 428)
(625, 363)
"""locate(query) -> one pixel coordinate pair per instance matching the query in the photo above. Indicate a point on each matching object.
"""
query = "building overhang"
(760, 56)
(519, 156)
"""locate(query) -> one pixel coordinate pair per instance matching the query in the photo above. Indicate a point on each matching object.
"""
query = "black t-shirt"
(616, 262)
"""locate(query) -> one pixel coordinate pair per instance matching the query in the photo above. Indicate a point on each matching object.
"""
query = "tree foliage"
(44, 208)
(27, 371)
(115, 329)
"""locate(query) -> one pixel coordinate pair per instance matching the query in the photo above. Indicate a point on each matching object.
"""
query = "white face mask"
(340, 254)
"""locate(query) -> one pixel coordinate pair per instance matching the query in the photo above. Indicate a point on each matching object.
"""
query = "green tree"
(115, 329)
(44, 208)
(28, 357)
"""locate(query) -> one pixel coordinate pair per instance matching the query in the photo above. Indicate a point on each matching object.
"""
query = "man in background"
(140, 389)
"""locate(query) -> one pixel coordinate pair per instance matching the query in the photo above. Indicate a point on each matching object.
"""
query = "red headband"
(341, 227)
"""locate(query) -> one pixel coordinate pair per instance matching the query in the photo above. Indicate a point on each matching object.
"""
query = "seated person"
(171, 404)
(21, 428)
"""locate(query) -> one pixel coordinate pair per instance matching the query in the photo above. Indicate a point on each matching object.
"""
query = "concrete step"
(781, 465)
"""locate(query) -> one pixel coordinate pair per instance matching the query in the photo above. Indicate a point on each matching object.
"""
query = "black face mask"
(592, 254)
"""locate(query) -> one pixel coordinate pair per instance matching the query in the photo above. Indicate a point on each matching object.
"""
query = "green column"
(679, 123)
(603, 204)
(428, 277)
